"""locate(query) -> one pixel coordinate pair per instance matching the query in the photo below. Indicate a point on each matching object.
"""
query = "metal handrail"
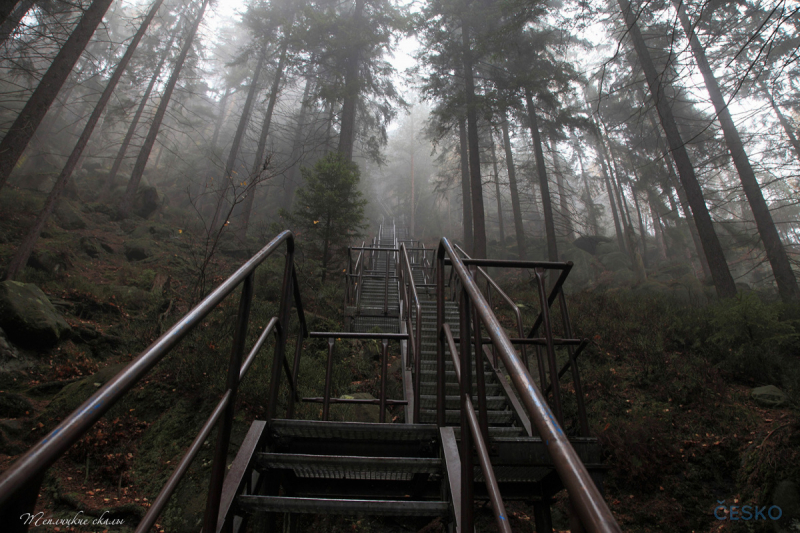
(477, 436)
(407, 286)
(19, 485)
(584, 495)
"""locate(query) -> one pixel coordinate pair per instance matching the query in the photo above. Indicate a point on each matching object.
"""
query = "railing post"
(384, 371)
(226, 425)
(465, 390)
(576, 377)
(295, 370)
(326, 400)
(551, 353)
(440, 387)
(386, 287)
(283, 333)
(480, 381)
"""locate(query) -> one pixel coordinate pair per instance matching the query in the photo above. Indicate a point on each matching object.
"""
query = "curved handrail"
(584, 495)
(27, 471)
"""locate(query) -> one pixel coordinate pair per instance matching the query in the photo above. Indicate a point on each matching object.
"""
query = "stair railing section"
(19, 485)
(492, 284)
(592, 510)
(472, 432)
(352, 279)
(409, 297)
(382, 401)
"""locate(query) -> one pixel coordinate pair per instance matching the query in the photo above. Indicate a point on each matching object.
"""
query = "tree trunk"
(661, 243)
(352, 89)
(108, 186)
(547, 208)
(259, 165)
(223, 106)
(291, 177)
(723, 280)
(478, 214)
(126, 204)
(614, 210)
(413, 195)
(642, 232)
(519, 230)
(20, 133)
(500, 227)
(776, 253)
(22, 254)
(783, 120)
(594, 226)
(241, 128)
(466, 200)
(562, 195)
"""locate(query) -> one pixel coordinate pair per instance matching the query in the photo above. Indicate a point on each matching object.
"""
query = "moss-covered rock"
(137, 249)
(146, 202)
(74, 394)
(590, 243)
(68, 217)
(615, 261)
(28, 317)
(14, 405)
(582, 273)
(357, 412)
(605, 248)
(769, 396)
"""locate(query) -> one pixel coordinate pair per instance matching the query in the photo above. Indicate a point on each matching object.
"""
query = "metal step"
(350, 466)
(283, 504)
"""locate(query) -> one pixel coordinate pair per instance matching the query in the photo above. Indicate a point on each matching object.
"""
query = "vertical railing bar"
(551, 353)
(326, 400)
(288, 290)
(576, 378)
(440, 387)
(386, 287)
(384, 369)
(465, 391)
(232, 386)
(480, 379)
(298, 349)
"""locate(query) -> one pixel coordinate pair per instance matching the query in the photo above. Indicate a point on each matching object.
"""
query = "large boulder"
(74, 394)
(146, 202)
(605, 248)
(48, 261)
(615, 261)
(68, 217)
(769, 396)
(14, 406)
(28, 317)
(589, 243)
(137, 249)
(582, 273)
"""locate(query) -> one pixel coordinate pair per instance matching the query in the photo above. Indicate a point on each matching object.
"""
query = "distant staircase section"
(372, 284)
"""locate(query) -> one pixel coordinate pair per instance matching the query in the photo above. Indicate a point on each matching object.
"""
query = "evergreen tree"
(329, 210)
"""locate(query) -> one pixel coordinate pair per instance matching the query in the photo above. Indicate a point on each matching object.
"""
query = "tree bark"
(519, 230)
(22, 254)
(20, 133)
(594, 226)
(661, 243)
(500, 227)
(352, 89)
(466, 200)
(223, 106)
(478, 214)
(241, 128)
(126, 204)
(783, 120)
(108, 186)
(291, 177)
(776, 253)
(562, 195)
(547, 208)
(723, 280)
(259, 165)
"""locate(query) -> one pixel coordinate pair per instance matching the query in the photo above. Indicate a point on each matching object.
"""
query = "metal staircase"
(477, 426)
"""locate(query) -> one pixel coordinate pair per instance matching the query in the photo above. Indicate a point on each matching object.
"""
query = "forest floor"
(667, 388)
